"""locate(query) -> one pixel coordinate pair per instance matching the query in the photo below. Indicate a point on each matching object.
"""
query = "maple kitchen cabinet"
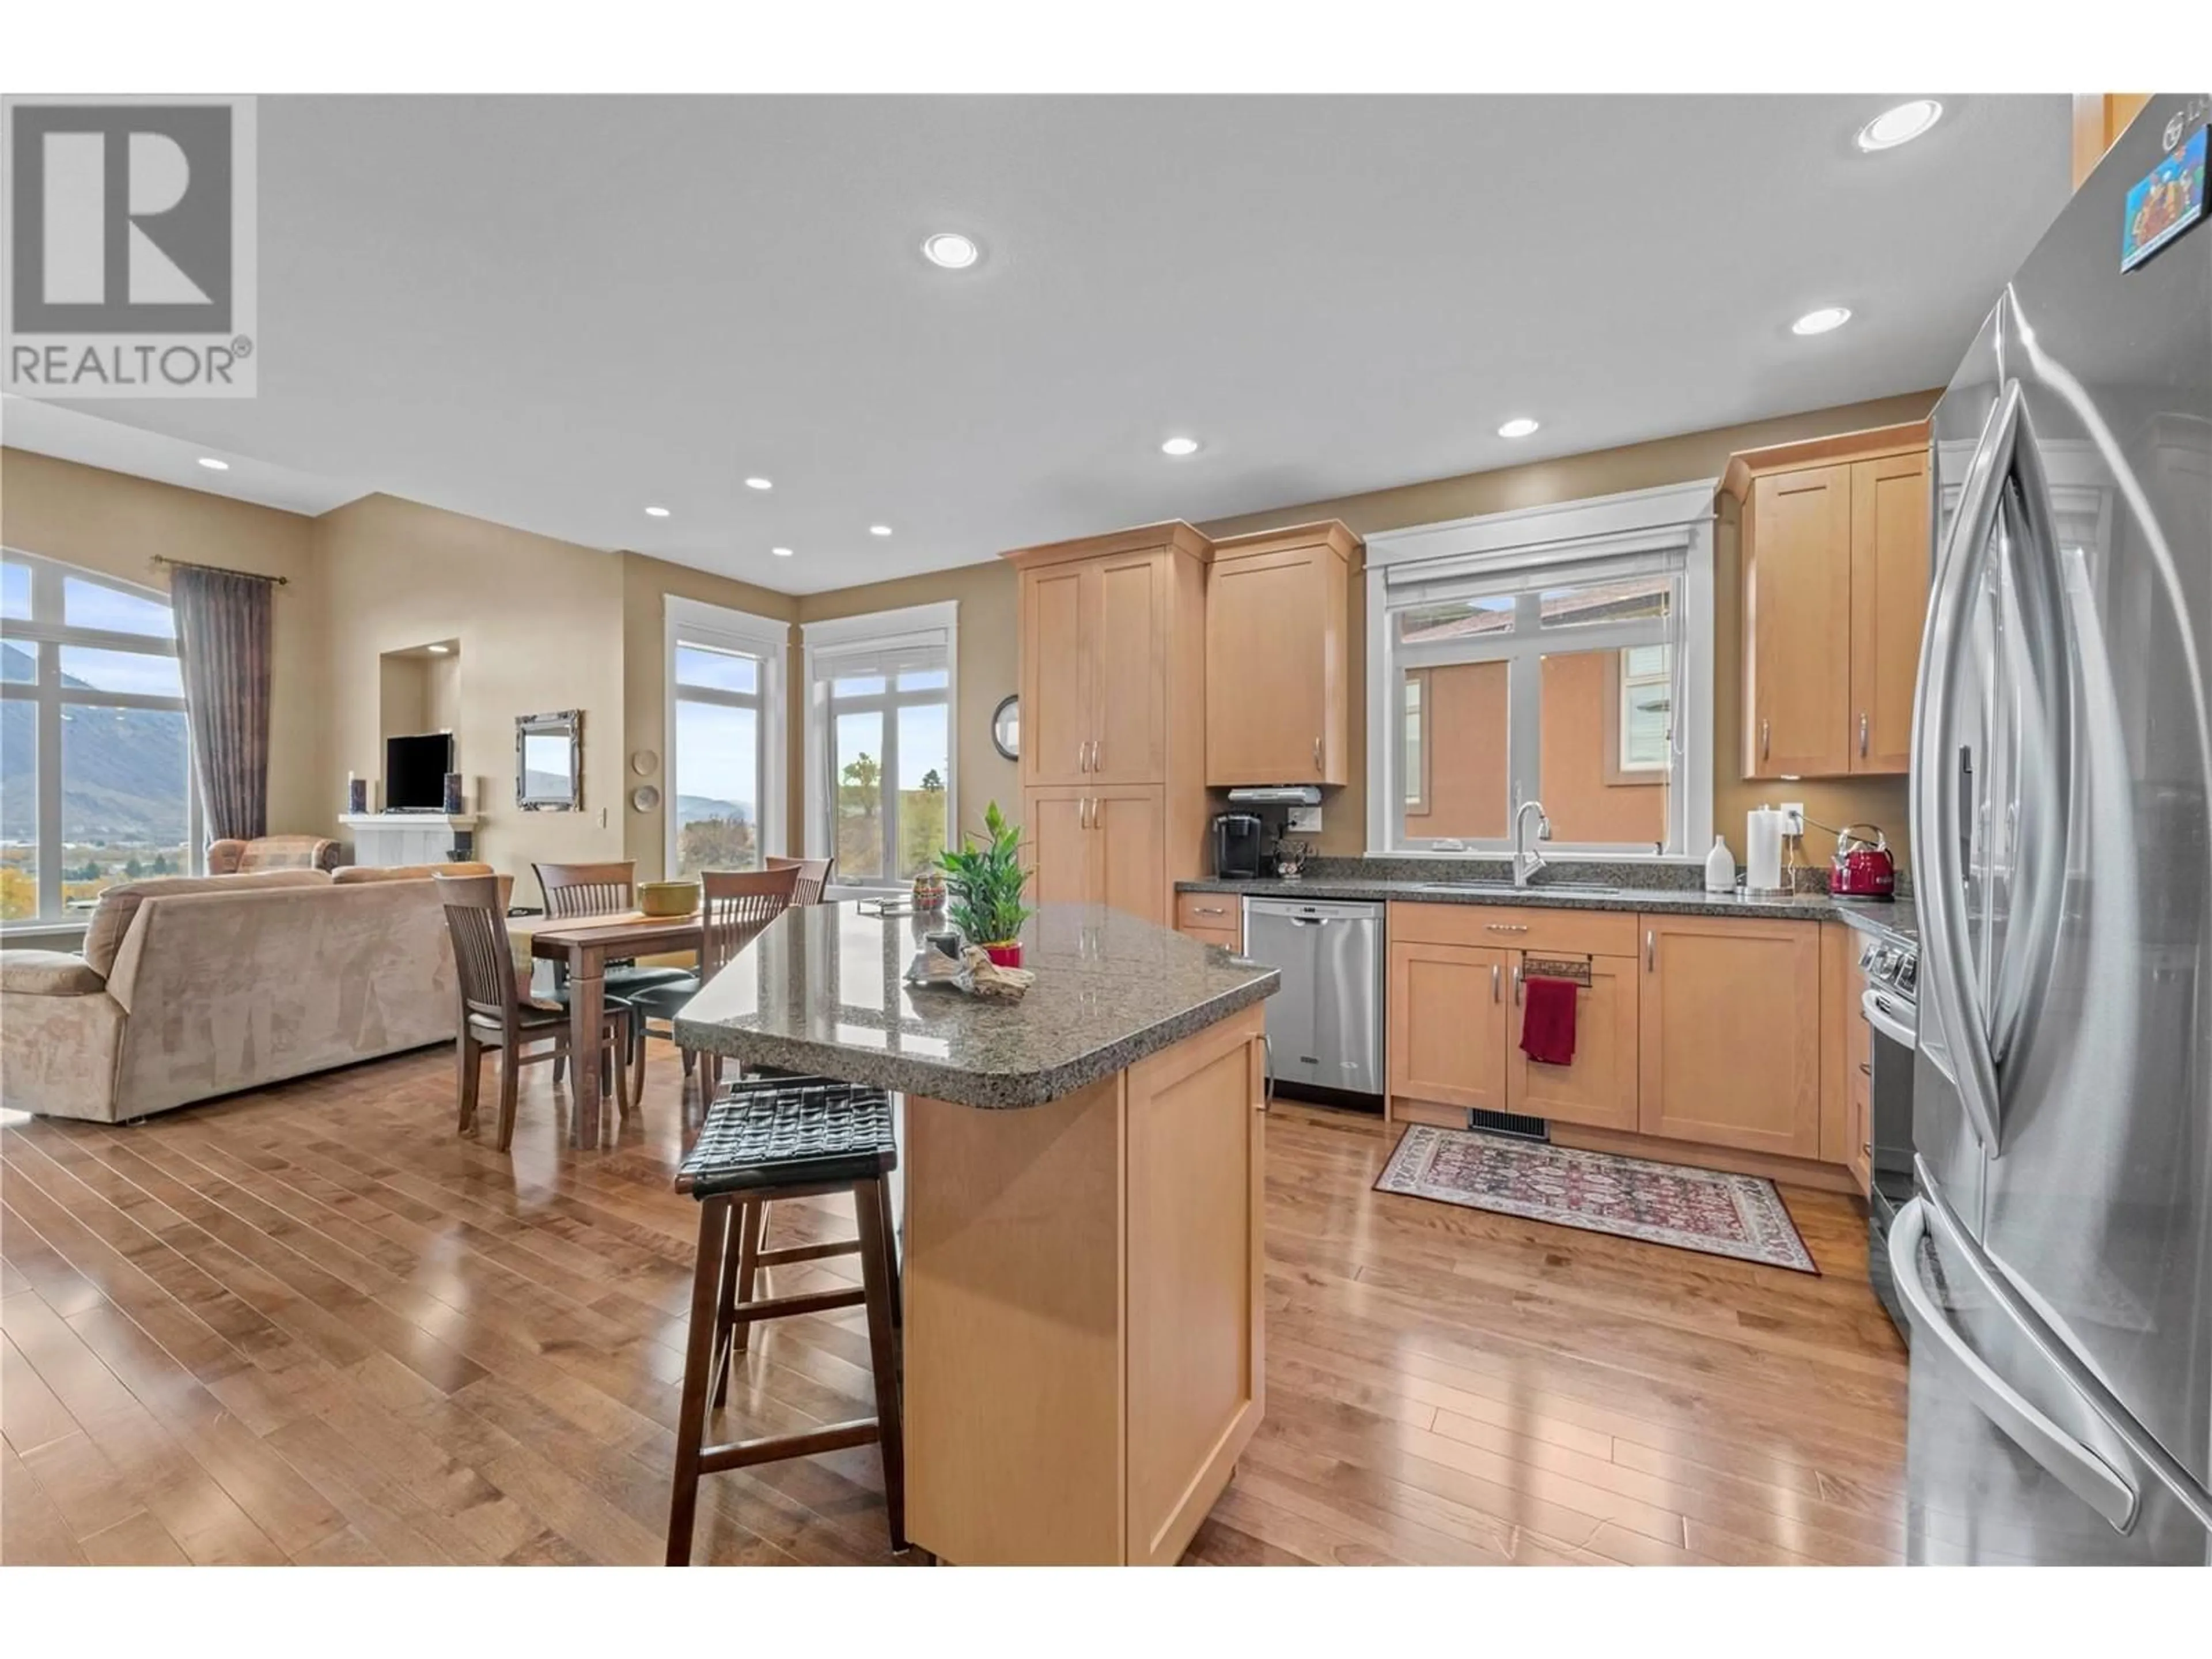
(1835, 557)
(1278, 663)
(1729, 1034)
(1113, 687)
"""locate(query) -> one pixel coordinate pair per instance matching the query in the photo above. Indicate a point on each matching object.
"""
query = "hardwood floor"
(312, 1324)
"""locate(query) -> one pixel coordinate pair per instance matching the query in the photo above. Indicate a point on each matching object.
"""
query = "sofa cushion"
(348, 875)
(48, 974)
(110, 921)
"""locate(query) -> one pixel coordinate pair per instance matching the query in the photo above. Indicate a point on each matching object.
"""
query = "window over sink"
(1559, 654)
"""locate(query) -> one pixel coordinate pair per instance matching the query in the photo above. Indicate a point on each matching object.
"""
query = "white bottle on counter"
(1720, 867)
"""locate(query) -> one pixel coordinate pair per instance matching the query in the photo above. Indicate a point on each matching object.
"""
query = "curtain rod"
(186, 564)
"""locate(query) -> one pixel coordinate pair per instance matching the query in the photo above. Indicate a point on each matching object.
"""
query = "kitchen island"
(1083, 1175)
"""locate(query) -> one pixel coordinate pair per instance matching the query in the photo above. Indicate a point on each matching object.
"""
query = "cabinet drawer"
(1517, 927)
(1211, 912)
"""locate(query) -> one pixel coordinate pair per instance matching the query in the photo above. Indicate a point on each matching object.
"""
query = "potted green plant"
(986, 880)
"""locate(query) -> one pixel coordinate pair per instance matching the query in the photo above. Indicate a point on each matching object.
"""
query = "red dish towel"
(1547, 1026)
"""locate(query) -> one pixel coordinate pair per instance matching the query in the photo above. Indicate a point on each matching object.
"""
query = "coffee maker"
(1237, 845)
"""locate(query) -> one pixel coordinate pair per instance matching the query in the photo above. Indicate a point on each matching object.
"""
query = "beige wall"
(989, 669)
(538, 625)
(1635, 466)
(115, 525)
(645, 583)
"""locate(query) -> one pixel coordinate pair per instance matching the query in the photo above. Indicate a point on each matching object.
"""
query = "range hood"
(1276, 794)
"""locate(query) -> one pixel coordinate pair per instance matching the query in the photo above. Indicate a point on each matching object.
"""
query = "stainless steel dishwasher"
(1325, 1024)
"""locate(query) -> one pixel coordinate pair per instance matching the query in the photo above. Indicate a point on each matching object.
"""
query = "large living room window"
(726, 671)
(1557, 654)
(95, 762)
(879, 781)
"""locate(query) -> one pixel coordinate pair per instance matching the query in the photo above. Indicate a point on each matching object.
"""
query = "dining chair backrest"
(737, 905)
(589, 889)
(483, 958)
(813, 876)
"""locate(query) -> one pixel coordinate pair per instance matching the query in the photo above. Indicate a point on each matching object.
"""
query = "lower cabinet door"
(1447, 1023)
(1731, 1033)
(1130, 826)
(1599, 1087)
(1061, 847)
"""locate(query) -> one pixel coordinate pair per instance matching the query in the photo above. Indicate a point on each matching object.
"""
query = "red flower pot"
(1005, 956)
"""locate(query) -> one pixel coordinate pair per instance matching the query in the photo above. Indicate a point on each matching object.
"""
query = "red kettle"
(1863, 868)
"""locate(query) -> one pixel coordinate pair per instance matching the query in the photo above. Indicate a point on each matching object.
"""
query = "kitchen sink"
(1549, 890)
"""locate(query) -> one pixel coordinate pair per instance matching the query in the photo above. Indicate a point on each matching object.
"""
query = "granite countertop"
(1892, 918)
(822, 990)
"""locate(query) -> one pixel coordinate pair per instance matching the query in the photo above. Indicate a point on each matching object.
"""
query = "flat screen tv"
(415, 772)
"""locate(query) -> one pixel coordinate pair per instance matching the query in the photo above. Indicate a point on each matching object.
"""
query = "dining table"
(585, 946)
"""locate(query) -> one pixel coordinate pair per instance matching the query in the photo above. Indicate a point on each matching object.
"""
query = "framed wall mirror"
(1007, 726)
(548, 762)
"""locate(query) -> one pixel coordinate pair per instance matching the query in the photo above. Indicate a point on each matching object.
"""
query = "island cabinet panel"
(1015, 1354)
(1277, 657)
(1196, 1150)
(1447, 1026)
(1730, 1022)
(1598, 1086)
(1083, 1301)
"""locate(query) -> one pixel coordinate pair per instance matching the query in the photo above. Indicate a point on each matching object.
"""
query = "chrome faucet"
(1526, 861)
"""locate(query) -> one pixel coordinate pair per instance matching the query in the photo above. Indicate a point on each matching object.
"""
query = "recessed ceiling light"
(1519, 427)
(759, 483)
(950, 249)
(656, 512)
(1820, 321)
(439, 650)
(213, 464)
(780, 552)
(1900, 125)
(1179, 446)
(879, 530)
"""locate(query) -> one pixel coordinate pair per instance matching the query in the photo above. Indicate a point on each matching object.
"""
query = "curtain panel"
(222, 638)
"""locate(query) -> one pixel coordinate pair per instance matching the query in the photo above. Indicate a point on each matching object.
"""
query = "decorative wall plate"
(645, 797)
(643, 761)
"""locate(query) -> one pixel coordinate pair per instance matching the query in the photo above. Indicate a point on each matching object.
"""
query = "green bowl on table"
(668, 898)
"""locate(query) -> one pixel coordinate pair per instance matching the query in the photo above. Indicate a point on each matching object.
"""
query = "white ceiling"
(551, 311)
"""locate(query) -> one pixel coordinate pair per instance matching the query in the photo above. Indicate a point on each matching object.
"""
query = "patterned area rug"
(1731, 1215)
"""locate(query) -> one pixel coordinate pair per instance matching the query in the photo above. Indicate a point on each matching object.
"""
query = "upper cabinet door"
(1889, 607)
(1277, 668)
(1797, 606)
(1128, 649)
(1057, 605)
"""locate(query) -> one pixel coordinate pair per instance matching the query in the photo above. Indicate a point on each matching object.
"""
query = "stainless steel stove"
(1891, 1006)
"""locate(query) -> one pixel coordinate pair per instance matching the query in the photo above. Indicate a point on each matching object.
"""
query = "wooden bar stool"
(783, 1137)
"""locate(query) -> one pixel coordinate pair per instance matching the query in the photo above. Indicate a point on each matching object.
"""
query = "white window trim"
(47, 576)
(875, 627)
(764, 637)
(1670, 518)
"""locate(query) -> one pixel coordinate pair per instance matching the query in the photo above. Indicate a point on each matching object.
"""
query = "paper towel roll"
(1762, 836)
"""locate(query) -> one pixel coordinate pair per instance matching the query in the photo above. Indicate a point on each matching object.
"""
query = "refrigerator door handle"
(2004, 485)
(2082, 1473)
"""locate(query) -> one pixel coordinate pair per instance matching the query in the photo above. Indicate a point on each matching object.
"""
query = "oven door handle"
(1884, 1018)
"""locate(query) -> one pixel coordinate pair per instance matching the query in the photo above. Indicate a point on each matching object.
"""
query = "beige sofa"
(192, 987)
(246, 857)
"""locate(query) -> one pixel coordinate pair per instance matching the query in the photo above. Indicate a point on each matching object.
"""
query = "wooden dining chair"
(813, 876)
(494, 1013)
(735, 905)
(608, 887)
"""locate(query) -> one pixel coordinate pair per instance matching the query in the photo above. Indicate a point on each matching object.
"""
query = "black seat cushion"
(663, 1001)
(779, 1131)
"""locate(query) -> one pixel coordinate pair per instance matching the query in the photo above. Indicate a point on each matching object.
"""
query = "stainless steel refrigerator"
(2057, 1259)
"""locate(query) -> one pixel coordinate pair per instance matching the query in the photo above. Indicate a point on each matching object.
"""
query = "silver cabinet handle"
(2082, 1473)
(1506, 927)
(1863, 735)
(1095, 745)
(1650, 950)
(1495, 995)
(1317, 765)
(1208, 910)
(1765, 738)
(1083, 756)
(1267, 1066)
(1517, 983)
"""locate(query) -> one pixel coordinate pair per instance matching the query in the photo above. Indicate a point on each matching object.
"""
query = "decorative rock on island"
(1083, 1172)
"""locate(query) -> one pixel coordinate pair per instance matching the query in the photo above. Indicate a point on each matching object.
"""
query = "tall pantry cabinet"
(1113, 717)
